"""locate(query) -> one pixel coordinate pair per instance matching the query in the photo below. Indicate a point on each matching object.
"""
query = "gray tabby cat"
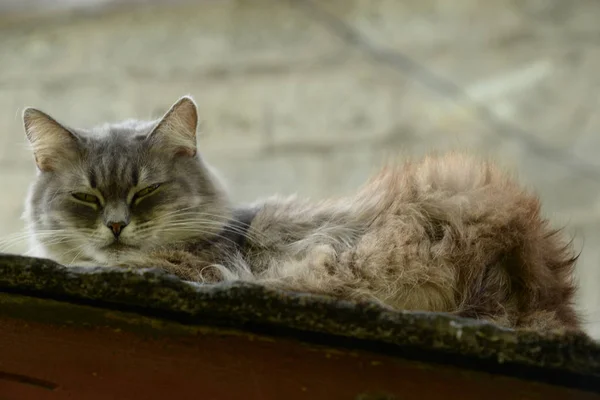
(447, 233)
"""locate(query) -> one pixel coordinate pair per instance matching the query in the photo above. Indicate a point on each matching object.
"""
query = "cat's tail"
(510, 263)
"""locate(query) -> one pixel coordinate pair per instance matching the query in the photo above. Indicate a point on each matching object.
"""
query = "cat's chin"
(119, 246)
(115, 253)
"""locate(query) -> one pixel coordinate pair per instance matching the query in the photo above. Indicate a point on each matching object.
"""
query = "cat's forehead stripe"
(113, 172)
(134, 176)
(92, 178)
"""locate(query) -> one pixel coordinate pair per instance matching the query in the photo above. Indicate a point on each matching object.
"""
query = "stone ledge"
(572, 358)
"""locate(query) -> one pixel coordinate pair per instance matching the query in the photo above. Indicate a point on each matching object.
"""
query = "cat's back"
(442, 175)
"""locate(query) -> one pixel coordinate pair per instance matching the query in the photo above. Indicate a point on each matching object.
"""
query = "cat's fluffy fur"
(447, 233)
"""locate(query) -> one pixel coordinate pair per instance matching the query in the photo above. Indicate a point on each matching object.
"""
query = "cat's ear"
(176, 131)
(52, 143)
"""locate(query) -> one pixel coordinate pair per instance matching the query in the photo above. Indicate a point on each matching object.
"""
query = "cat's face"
(105, 194)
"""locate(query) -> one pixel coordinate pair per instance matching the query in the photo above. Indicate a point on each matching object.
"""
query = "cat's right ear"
(176, 131)
(52, 143)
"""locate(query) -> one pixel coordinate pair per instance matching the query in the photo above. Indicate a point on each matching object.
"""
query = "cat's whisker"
(257, 236)
(69, 251)
(199, 222)
(196, 215)
(196, 210)
(77, 255)
(58, 241)
(188, 217)
(80, 248)
(192, 230)
(27, 234)
(199, 227)
(17, 239)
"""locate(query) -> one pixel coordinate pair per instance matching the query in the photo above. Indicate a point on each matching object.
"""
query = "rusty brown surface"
(93, 353)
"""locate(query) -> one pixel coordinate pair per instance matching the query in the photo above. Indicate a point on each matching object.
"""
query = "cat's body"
(448, 233)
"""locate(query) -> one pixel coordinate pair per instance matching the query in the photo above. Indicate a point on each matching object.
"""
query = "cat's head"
(106, 193)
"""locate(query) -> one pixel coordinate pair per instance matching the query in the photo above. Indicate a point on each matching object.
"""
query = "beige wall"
(293, 101)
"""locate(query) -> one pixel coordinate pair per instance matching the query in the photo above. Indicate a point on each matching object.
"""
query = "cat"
(446, 233)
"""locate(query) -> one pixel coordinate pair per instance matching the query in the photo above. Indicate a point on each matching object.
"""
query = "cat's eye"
(85, 197)
(146, 191)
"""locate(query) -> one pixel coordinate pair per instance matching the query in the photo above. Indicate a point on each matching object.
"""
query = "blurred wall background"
(310, 97)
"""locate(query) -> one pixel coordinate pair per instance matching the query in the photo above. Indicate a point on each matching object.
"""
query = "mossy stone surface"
(246, 306)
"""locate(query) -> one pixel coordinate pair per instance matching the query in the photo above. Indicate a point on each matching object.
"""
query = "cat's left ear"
(176, 131)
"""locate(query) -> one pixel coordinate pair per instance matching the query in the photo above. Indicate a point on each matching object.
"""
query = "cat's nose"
(116, 227)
